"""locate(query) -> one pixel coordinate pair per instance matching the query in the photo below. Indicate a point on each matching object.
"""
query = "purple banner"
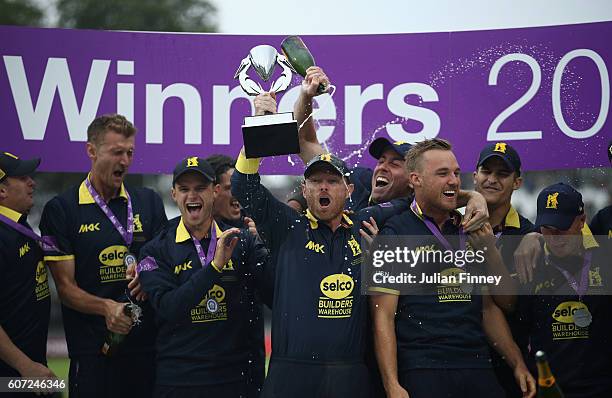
(545, 91)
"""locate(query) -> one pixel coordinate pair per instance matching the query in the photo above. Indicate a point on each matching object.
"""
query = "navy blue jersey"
(579, 354)
(443, 327)
(318, 312)
(86, 235)
(205, 318)
(24, 299)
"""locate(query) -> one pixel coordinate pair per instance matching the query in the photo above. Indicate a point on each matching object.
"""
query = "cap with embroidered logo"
(12, 166)
(326, 160)
(558, 206)
(196, 165)
(503, 151)
(381, 144)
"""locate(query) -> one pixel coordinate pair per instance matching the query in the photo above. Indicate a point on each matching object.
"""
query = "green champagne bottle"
(547, 386)
(299, 56)
(112, 342)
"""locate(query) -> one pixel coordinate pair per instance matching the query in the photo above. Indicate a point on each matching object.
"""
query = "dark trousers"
(100, 377)
(295, 379)
(451, 383)
(229, 390)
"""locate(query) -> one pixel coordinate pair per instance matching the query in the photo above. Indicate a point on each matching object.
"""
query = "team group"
(174, 308)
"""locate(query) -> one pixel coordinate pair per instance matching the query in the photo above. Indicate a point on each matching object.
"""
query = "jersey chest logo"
(91, 227)
(315, 247)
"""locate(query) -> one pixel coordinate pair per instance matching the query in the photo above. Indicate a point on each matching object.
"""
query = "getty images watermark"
(422, 265)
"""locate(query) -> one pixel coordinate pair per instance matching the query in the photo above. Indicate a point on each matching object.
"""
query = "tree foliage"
(20, 12)
(148, 15)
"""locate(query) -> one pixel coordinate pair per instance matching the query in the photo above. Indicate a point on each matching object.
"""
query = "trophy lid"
(263, 59)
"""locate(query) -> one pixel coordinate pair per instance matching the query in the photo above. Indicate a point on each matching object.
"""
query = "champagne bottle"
(299, 56)
(547, 386)
(112, 342)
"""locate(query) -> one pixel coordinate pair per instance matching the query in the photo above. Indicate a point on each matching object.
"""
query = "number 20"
(493, 134)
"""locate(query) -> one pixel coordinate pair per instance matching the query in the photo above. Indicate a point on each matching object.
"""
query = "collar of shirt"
(85, 197)
(512, 220)
(454, 221)
(314, 223)
(10, 213)
(182, 234)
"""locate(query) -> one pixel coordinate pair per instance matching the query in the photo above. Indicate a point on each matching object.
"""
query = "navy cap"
(503, 151)
(12, 166)
(381, 144)
(327, 159)
(558, 206)
(194, 164)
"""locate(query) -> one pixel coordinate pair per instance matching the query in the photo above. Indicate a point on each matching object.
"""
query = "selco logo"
(216, 292)
(564, 312)
(337, 286)
(41, 272)
(112, 255)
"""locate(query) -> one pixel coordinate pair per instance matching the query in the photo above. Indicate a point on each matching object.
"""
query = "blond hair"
(414, 155)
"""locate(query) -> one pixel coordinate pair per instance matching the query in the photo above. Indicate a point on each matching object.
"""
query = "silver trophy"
(270, 134)
(263, 58)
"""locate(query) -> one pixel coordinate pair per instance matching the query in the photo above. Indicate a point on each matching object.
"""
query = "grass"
(60, 367)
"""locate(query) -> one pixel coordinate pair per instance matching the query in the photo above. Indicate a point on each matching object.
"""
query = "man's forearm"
(10, 353)
(385, 344)
(498, 332)
(79, 300)
(309, 144)
(504, 294)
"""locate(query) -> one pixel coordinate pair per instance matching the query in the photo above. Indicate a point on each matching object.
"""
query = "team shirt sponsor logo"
(566, 322)
(211, 308)
(337, 301)
(42, 283)
(451, 291)
(112, 269)
(315, 247)
(23, 250)
(84, 228)
(182, 267)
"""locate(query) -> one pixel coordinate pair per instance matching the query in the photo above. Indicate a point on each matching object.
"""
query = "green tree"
(150, 15)
(20, 12)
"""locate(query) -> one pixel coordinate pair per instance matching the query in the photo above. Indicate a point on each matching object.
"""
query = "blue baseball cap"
(504, 151)
(381, 144)
(328, 161)
(558, 206)
(13, 166)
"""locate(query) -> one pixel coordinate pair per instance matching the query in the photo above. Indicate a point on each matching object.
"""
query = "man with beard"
(24, 300)
(497, 176)
(318, 320)
(389, 179)
(199, 275)
(439, 334)
(100, 226)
